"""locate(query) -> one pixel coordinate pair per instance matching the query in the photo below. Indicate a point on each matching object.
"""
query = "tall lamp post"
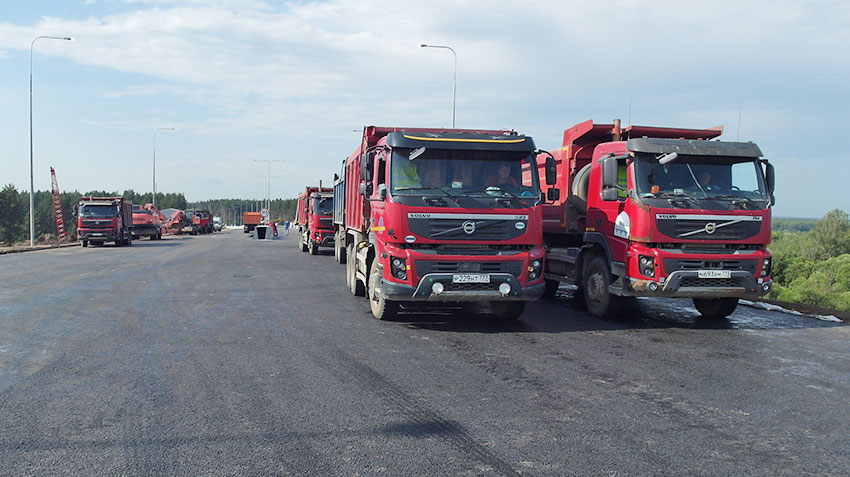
(269, 181)
(454, 80)
(153, 197)
(32, 184)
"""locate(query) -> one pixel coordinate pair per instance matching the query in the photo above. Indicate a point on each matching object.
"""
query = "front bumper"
(96, 235)
(687, 284)
(326, 239)
(457, 292)
(142, 230)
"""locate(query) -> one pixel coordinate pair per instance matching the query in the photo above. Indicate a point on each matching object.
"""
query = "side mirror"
(609, 194)
(551, 171)
(553, 194)
(769, 177)
(366, 188)
(609, 172)
(336, 177)
(366, 166)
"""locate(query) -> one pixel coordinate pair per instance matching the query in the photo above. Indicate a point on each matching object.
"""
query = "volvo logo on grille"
(710, 228)
(468, 227)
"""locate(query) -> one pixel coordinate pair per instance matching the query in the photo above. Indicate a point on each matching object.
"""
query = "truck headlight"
(765, 267)
(398, 267)
(535, 269)
(647, 266)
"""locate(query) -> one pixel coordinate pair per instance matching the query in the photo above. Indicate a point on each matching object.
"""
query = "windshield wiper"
(441, 189)
(733, 198)
(673, 198)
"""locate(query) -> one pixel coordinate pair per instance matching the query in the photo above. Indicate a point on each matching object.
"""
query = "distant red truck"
(314, 219)
(147, 222)
(202, 221)
(104, 219)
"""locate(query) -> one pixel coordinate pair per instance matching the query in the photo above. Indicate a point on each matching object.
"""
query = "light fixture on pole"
(269, 182)
(153, 197)
(454, 80)
(32, 184)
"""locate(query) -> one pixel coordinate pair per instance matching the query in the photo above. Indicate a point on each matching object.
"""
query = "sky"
(248, 81)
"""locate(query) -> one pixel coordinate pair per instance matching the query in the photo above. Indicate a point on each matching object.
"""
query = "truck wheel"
(551, 288)
(341, 258)
(382, 308)
(356, 286)
(313, 248)
(507, 310)
(715, 308)
(600, 302)
(301, 245)
(129, 240)
(85, 243)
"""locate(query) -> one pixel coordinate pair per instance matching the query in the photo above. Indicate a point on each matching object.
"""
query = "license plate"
(470, 278)
(714, 273)
(97, 235)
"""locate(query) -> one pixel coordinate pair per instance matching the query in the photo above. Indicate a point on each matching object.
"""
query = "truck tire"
(551, 288)
(716, 308)
(313, 248)
(85, 243)
(600, 302)
(356, 286)
(507, 310)
(382, 308)
(301, 244)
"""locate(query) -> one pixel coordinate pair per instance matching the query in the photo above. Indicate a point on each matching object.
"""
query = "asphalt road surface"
(218, 354)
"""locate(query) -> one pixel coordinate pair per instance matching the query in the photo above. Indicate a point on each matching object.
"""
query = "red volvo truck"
(314, 219)
(104, 219)
(441, 215)
(202, 222)
(147, 222)
(658, 212)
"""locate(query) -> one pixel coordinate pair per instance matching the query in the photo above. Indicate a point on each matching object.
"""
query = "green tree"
(831, 236)
(11, 215)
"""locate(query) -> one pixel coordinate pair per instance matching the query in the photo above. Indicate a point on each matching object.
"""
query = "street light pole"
(454, 78)
(32, 183)
(269, 181)
(153, 197)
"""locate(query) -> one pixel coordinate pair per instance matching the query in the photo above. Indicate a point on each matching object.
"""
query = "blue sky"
(296, 81)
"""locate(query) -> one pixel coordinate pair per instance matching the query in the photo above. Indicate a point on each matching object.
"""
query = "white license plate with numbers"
(470, 278)
(714, 273)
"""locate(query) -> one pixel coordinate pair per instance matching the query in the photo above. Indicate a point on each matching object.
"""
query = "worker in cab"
(405, 175)
(502, 176)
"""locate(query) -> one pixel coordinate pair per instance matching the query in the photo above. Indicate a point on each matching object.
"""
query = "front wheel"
(599, 300)
(382, 308)
(716, 308)
(85, 243)
(507, 310)
(551, 288)
(313, 248)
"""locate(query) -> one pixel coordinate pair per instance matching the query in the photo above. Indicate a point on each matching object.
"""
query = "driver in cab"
(502, 176)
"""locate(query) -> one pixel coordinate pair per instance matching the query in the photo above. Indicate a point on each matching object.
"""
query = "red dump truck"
(441, 215)
(657, 212)
(104, 219)
(250, 220)
(147, 222)
(314, 219)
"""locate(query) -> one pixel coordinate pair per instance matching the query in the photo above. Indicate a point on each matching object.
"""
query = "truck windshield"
(457, 173)
(704, 179)
(98, 211)
(323, 206)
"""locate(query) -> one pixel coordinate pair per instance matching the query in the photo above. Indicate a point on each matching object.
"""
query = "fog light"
(437, 288)
(766, 287)
(535, 264)
(402, 275)
(504, 288)
(653, 286)
(397, 262)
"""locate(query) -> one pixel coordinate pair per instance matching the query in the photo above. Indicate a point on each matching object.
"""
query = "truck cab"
(314, 219)
(104, 219)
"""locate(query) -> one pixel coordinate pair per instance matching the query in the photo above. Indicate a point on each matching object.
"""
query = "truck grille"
(468, 229)
(97, 224)
(673, 264)
(326, 222)
(685, 228)
(424, 267)
(711, 283)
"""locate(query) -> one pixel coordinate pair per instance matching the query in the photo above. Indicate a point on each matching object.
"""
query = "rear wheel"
(600, 302)
(382, 308)
(507, 310)
(716, 308)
